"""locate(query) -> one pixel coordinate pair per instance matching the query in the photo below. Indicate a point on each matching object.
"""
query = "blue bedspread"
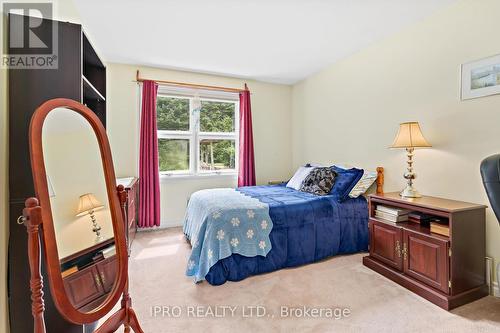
(306, 228)
(220, 222)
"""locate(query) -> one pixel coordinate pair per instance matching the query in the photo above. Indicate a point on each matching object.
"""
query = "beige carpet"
(376, 304)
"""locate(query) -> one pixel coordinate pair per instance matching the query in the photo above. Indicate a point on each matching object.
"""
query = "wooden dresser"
(93, 276)
(131, 185)
(446, 270)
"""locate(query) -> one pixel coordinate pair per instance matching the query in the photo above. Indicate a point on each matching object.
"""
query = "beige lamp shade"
(410, 136)
(88, 202)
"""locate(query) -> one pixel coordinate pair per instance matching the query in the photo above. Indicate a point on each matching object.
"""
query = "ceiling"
(281, 41)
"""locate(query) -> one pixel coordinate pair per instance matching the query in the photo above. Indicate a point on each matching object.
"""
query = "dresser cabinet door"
(427, 260)
(84, 286)
(132, 212)
(131, 209)
(107, 272)
(385, 244)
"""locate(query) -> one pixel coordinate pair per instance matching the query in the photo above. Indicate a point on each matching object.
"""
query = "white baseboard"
(496, 289)
(171, 224)
(163, 225)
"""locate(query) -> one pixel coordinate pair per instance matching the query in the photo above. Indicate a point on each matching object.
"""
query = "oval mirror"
(83, 228)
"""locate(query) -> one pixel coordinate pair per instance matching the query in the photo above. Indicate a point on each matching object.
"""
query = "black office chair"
(490, 172)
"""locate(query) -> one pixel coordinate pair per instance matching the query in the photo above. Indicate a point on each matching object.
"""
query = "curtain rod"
(191, 85)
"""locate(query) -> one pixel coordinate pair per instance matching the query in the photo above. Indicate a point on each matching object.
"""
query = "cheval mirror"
(79, 215)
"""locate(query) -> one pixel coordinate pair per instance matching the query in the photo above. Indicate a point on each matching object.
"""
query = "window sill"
(166, 177)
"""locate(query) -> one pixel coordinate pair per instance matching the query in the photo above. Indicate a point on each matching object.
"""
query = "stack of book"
(391, 214)
(419, 218)
(440, 226)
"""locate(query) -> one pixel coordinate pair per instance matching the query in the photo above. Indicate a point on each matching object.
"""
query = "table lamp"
(410, 137)
(88, 204)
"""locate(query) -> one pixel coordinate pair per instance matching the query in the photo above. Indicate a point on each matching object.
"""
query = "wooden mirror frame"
(38, 213)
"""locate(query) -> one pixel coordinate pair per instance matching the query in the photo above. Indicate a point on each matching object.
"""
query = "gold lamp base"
(410, 192)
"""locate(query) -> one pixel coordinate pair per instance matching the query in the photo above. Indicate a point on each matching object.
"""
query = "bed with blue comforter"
(305, 228)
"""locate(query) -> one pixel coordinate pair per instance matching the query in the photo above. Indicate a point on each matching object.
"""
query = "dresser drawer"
(131, 211)
(131, 195)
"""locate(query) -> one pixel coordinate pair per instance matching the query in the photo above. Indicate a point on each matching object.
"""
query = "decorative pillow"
(299, 176)
(319, 181)
(368, 178)
(345, 180)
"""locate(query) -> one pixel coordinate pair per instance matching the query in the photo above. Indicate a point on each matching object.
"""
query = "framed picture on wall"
(480, 78)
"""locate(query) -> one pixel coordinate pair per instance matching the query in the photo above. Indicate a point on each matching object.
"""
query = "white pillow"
(364, 183)
(299, 177)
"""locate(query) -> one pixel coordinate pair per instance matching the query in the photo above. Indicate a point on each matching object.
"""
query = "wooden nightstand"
(448, 271)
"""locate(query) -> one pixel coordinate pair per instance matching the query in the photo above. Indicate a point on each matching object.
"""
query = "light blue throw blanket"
(220, 222)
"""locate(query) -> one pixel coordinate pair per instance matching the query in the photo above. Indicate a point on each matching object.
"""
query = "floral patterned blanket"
(220, 222)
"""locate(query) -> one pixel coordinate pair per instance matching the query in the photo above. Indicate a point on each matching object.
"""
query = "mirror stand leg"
(131, 321)
(126, 306)
(32, 218)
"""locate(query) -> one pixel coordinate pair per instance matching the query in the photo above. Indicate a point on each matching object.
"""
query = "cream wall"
(350, 111)
(63, 10)
(271, 111)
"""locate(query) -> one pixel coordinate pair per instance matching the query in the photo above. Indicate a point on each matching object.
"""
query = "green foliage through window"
(216, 117)
(217, 154)
(172, 114)
(173, 154)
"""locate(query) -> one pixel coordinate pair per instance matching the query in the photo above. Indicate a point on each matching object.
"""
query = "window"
(197, 135)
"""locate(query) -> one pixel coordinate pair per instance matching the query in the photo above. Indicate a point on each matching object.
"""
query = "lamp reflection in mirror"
(88, 204)
(410, 137)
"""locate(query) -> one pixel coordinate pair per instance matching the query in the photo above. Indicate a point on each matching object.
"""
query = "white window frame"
(195, 136)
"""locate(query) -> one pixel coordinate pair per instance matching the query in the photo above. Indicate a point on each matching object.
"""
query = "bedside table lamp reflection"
(410, 137)
(88, 204)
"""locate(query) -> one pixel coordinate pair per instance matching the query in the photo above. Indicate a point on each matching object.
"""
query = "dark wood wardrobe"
(80, 76)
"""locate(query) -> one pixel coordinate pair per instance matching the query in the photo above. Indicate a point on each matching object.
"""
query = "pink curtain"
(246, 172)
(149, 176)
